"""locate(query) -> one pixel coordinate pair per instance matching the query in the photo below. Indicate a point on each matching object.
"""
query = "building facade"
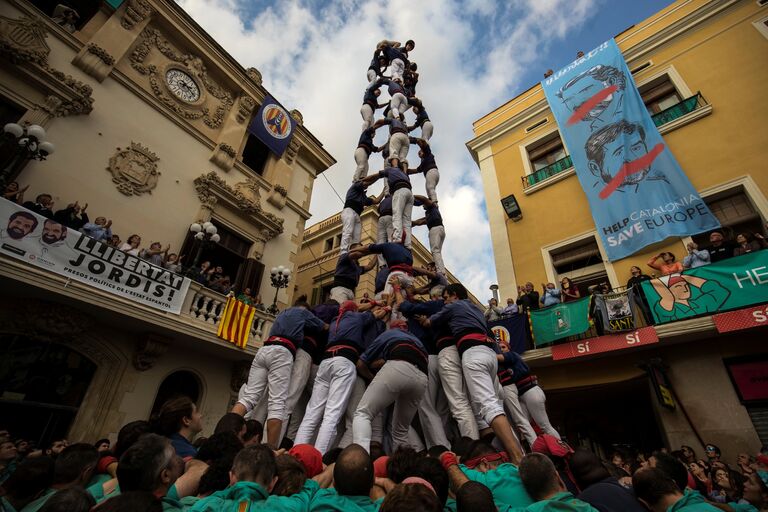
(320, 252)
(149, 117)
(696, 65)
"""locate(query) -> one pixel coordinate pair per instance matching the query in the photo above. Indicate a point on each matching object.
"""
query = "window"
(57, 10)
(580, 261)
(736, 213)
(337, 242)
(328, 244)
(546, 152)
(230, 254)
(255, 154)
(660, 94)
(762, 26)
(9, 113)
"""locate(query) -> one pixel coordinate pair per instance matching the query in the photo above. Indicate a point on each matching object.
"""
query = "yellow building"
(698, 67)
(320, 251)
(149, 117)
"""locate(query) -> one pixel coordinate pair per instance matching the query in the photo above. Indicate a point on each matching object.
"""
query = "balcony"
(547, 172)
(679, 110)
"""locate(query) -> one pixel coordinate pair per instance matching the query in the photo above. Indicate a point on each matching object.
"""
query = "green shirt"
(231, 497)
(298, 502)
(5, 506)
(328, 500)
(450, 505)
(706, 299)
(561, 502)
(692, 501)
(39, 502)
(504, 483)
(742, 507)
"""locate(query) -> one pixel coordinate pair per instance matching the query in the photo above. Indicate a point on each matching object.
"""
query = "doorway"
(42, 386)
(179, 383)
(606, 416)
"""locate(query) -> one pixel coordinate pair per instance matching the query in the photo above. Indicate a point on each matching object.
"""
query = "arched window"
(180, 383)
(42, 386)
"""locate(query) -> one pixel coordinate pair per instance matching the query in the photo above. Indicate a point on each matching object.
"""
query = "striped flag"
(236, 321)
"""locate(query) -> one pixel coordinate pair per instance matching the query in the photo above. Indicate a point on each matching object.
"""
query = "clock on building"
(181, 84)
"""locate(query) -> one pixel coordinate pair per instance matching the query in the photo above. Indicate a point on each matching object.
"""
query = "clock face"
(182, 85)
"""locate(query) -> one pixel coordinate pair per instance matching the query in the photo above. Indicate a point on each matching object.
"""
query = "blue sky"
(473, 55)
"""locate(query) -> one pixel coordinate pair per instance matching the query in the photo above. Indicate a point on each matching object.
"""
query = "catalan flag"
(236, 321)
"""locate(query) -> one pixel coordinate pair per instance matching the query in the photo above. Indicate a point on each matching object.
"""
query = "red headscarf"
(347, 305)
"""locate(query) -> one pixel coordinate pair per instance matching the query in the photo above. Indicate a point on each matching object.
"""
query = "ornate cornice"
(101, 53)
(246, 106)
(136, 11)
(23, 40)
(244, 198)
(229, 150)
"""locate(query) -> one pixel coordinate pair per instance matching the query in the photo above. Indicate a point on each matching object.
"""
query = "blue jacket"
(379, 348)
(290, 323)
(394, 254)
(551, 297)
(356, 198)
(462, 317)
(349, 328)
(347, 273)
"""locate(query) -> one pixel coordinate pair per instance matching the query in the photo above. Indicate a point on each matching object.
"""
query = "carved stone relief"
(134, 169)
(254, 74)
(148, 351)
(247, 104)
(136, 11)
(24, 39)
(211, 109)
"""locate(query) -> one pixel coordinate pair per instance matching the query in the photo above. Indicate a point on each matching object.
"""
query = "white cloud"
(469, 54)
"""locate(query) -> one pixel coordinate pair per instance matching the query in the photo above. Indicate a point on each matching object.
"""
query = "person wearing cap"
(310, 458)
(478, 360)
(755, 493)
(682, 296)
(271, 368)
(401, 363)
(483, 464)
(659, 493)
(434, 222)
(336, 375)
(428, 167)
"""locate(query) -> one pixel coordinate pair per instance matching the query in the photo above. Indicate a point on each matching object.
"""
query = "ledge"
(685, 119)
(550, 181)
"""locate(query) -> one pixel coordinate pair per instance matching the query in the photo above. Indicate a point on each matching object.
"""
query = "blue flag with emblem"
(510, 330)
(273, 126)
(637, 192)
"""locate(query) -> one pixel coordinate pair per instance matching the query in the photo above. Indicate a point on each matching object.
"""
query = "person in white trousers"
(428, 167)
(399, 142)
(397, 56)
(398, 101)
(336, 375)
(479, 364)
(376, 68)
(434, 222)
(370, 105)
(384, 228)
(517, 417)
(402, 203)
(347, 274)
(272, 366)
(354, 203)
(422, 120)
(401, 380)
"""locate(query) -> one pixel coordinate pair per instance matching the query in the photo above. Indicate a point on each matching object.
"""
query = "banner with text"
(47, 244)
(616, 310)
(559, 321)
(729, 284)
(273, 126)
(637, 192)
(510, 330)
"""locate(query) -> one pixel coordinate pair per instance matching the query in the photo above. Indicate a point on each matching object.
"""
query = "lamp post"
(28, 144)
(280, 277)
(204, 233)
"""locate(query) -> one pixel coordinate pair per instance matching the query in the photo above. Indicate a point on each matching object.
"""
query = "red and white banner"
(609, 343)
(746, 318)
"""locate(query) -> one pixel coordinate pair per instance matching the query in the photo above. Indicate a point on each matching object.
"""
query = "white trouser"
(397, 68)
(436, 238)
(302, 364)
(301, 405)
(372, 77)
(361, 163)
(271, 369)
(354, 400)
(399, 144)
(398, 104)
(402, 207)
(518, 417)
(330, 394)
(384, 233)
(480, 365)
(534, 403)
(397, 382)
(431, 422)
(340, 294)
(431, 178)
(351, 229)
(366, 111)
(455, 390)
(426, 130)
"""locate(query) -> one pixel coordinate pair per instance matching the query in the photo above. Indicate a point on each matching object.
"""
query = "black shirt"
(721, 253)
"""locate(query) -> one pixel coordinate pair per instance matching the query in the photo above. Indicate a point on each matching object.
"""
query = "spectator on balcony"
(720, 248)
(668, 263)
(258, 304)
(246, 297)
(132, 245)
(527, 298)
(550, 295)
(172, 262)
(180, 420)
(222, 285)
(73, 216)
(214, 274)
(511, 308)
(746, 244)
(570, 291)
(201, 275)
(115, 241)
(13, 193)
(43, 205)
(100, 229)
(637, 277)
(696, 257)
(65, 17)
(493, 311)
(155, 254)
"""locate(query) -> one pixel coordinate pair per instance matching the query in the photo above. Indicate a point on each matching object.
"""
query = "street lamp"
(280, 277)
(204, 233)
(28, 144)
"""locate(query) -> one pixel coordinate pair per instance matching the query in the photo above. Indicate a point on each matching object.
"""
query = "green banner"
(559, 321)
(730, 284)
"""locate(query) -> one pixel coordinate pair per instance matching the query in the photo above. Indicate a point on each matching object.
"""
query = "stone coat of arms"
(134, 169)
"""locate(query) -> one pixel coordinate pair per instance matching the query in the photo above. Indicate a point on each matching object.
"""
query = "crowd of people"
(164, 465)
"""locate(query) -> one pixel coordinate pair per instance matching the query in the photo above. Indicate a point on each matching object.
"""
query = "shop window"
(42, 387)
(180, 383)
(581, 262)
(255, 154)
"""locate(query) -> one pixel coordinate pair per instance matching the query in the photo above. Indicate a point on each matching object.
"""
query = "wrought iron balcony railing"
(678, 110)
(547, 172)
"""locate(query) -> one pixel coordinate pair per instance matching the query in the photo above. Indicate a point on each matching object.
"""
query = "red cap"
(310, 458)
(380, 467)
(762, 459)
(550, 445)
(674, 279)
